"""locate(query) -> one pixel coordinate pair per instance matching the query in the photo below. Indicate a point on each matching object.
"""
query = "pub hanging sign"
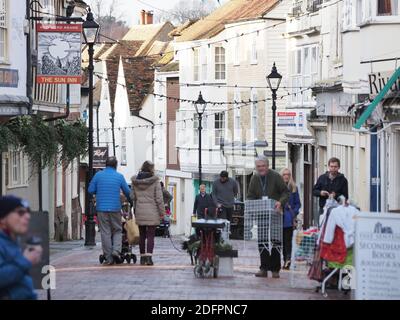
(59, 53)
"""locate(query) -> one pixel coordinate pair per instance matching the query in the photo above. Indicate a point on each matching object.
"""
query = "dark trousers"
(287, 243)
(226, 213)
(269, 262)
(147, 233)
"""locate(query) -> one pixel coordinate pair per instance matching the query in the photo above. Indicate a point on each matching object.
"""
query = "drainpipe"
(29, 79)
(136, 114)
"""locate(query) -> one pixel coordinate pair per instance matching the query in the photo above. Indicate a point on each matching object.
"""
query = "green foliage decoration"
(43, 141)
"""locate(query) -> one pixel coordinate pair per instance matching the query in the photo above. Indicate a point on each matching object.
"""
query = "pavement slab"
(79, 276)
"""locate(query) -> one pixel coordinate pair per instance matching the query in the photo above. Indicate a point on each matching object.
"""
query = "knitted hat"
(10, 203)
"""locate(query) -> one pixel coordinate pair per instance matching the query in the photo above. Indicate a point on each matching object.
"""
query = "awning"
(298, 139)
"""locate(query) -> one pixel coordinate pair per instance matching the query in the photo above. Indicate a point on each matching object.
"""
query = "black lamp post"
(200, 106)
(90, 33)
(274, 80)
(112, 120)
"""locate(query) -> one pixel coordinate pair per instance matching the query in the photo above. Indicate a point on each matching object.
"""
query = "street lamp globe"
(274, 79)
(200, 105)
(91, 29)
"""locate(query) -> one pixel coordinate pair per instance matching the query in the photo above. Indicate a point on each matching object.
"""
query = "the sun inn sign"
(59, 53)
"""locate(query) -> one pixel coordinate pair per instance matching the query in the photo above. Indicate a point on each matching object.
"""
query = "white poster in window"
(377, 256)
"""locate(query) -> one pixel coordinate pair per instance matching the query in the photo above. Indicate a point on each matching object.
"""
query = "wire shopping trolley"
(262, 223)
(304, 244)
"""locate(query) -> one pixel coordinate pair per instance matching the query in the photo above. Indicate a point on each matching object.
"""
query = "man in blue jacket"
(107, 185)
(15, 281)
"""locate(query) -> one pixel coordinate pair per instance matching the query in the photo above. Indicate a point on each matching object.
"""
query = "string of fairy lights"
(233, 106)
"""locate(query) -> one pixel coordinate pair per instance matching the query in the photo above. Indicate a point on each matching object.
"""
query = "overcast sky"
(130, 9)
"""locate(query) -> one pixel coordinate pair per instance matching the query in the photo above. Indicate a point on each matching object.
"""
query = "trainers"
(262, 274)
(143, 260)
(275, 275)
(107, 263)
(117, 257)
(287, 265)
(149, 261)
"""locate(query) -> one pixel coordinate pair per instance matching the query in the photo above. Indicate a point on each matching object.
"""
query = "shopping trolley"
(304, 244)
(263, 223)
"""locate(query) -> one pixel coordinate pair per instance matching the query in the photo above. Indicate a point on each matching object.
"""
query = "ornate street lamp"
(200, 106)
(90, 30)
(274, 80)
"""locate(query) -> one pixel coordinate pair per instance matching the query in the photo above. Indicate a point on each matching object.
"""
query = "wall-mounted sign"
(100, 155)
(377, 256)
(378, 80)
(286, 119)
(9, 78)
(59, 53)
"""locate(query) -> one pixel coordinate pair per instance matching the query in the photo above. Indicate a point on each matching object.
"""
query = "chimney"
(149, 17)
(143, 17)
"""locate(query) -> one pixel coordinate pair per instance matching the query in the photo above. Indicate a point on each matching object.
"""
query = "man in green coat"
(268, 183)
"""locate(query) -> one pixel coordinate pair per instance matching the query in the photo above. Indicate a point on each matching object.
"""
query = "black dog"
(185, 246)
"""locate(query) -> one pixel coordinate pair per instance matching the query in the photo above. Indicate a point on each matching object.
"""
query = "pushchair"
(126, 249)
(162, 229)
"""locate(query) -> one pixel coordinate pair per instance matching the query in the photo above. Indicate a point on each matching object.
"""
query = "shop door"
(307, 201)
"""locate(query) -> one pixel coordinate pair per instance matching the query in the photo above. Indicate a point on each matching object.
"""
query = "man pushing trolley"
(267, 195)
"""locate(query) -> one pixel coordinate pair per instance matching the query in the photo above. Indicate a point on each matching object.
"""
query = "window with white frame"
(253, 55)
(18, 169)
(220, 67)
(204, 64)
(254, 116)
(123, 148)
(219, 127)
(196, 64)
(304, 63)
(387, 7)
(3, 30)
(236, 118)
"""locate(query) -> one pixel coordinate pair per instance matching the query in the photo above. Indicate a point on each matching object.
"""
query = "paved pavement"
(80, 277)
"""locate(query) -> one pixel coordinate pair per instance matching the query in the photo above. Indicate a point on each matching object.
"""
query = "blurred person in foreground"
(15, 281)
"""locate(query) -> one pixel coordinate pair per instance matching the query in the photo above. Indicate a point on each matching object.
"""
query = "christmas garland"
(43, 141)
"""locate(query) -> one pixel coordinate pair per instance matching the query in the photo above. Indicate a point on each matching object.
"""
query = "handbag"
(132, 230)
(316, 269)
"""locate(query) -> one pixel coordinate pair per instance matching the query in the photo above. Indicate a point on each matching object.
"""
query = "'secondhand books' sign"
(377, 256)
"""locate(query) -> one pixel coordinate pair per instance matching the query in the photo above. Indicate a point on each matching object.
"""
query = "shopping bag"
(315, 272)
(132, 231)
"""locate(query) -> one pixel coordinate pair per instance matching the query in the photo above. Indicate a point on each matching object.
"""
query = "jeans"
(287, 243)
(147, 233)
(226, 213)
(269, 262)
(111, 233)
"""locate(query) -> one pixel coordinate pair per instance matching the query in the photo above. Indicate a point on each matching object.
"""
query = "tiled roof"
(125, 49)
(139, 78)
(148, 33)
(170, 67)
(233, 10)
